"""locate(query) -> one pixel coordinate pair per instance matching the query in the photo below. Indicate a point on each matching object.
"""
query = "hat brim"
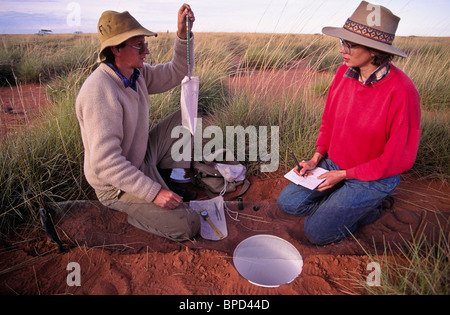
(361, 40)
(120, 38)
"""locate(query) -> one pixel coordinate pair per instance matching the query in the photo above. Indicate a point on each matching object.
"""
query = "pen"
(295, 159)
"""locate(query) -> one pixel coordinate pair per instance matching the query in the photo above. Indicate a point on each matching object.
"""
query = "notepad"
(311, 181)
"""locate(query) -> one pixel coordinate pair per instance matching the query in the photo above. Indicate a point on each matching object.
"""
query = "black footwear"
(387, 203)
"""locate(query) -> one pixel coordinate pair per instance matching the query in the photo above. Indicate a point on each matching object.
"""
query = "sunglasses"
(348, 46)
(141, 47)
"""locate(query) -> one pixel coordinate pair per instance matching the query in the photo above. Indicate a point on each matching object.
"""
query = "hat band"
(369, 32)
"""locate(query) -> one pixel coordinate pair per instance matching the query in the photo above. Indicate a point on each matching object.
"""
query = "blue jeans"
(335, 213)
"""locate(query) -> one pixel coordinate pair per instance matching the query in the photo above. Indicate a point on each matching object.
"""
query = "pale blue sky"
(418, 17)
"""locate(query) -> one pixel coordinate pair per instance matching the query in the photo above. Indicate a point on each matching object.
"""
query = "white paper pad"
(311, 181)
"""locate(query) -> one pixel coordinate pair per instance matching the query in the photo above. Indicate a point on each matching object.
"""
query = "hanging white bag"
(189, 91)
(189, 102)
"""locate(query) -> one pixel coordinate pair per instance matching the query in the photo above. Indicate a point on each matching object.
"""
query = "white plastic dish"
(267, 260)
(178, 176)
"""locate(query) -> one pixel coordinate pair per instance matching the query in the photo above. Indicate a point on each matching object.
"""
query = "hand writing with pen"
(331, 177)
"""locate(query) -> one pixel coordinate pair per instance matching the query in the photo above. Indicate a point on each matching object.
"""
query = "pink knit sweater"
(372, 131)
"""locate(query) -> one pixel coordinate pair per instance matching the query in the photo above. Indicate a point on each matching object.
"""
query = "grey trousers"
(179, 224)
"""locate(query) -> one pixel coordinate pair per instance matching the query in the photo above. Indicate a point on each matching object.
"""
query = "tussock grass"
(433, 157)
(47, 159)
(419, 266)
(35, 59)
(428, 65)
(212, 66)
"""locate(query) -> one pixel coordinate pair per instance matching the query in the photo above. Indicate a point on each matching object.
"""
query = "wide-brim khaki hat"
(115, 28)
(370, 25)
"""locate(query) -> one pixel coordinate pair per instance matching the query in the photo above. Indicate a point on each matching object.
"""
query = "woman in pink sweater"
(370, 131)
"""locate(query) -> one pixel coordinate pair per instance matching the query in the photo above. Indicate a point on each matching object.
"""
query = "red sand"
(116, 258)
(19, 105)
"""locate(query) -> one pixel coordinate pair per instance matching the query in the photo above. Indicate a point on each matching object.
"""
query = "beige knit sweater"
(114, 123)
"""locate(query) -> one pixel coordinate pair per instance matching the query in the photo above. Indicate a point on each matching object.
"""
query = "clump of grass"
(211, 66)
(427, 65)
(264, 59)
(320, 85)
(298, 121)
(35, 59)
(267, 51)
(420, 267)
(433, 157)
(45, 161)
(325, 61)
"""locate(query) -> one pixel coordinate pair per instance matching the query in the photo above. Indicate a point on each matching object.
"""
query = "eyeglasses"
(348, 46)
(141, 47)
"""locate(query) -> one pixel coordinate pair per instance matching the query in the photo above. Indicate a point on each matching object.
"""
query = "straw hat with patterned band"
(370, 25)
(115, 28)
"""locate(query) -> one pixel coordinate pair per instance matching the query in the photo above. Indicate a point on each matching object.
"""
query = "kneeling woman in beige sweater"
(122, 157)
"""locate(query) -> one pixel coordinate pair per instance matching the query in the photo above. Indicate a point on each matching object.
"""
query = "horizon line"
(215, 32)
